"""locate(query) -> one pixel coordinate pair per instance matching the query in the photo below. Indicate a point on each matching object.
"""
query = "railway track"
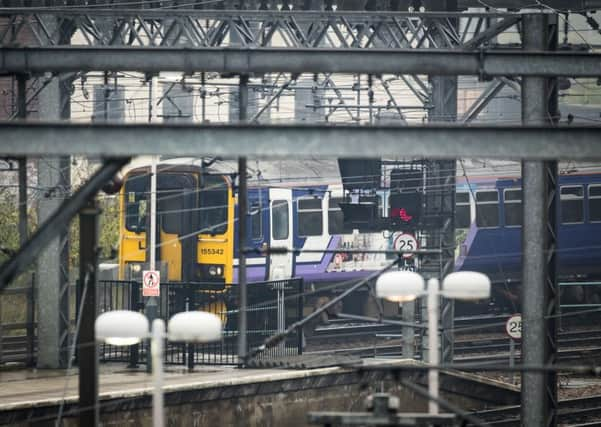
(376, 339)
(369, 339)
(583, 411)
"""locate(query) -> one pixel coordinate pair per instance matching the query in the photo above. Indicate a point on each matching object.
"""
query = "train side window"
(487, 208)
(280, 219)
(335, 217)
(594, 203)
(572, 204)
(136, 203)
(462, 210)
(256, 221)
(513, 207)
(310, 217)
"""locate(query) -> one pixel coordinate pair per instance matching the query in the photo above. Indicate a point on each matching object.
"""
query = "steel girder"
(173, 28)
(275, 141)
(264, 60)
(359, 5)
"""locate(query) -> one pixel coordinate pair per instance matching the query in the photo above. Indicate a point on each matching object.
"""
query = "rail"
(570, 410)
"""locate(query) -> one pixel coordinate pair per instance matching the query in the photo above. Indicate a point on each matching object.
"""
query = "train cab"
(194, 238)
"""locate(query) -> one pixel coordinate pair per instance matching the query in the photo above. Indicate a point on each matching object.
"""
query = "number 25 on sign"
(513, 327)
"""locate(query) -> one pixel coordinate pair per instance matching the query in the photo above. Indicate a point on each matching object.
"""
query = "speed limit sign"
(407, 243)
(513, 327)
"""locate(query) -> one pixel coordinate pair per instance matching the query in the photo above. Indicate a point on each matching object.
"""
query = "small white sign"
(405, 242)
(513, 327)
(151, 281)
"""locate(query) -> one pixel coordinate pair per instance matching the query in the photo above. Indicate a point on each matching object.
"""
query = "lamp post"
(405, 286)
(122, 327)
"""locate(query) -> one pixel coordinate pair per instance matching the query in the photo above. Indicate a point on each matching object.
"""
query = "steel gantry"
(257, 30)
(293, 29)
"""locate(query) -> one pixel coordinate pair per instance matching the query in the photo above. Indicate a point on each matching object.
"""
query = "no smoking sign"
(151, 281)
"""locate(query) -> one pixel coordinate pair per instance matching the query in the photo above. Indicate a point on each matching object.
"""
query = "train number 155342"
(211, 251)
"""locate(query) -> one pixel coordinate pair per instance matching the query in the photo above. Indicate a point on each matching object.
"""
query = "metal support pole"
(440, 176)
(86, 344)
(434, 356)
(22, 200)
(153, 213)
(408, 333)
(156, 348)
(52, 265)
(105, 97)
(243, 98)
(30, 321)
(152, 304)
(22, 114)
(190, 347)
(203, 98)
(539, 284)
(242, 214)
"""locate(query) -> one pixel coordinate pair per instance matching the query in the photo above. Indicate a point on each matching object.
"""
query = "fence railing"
(18, 325)
(272, 306)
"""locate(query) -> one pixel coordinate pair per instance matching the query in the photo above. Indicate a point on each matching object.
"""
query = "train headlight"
(210, 272)
(136, 268)
(215, 270)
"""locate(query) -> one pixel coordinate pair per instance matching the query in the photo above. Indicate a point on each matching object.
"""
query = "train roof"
(310, 172)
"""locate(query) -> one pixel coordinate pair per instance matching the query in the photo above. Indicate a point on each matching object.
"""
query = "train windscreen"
(175, 202)
(213, 205)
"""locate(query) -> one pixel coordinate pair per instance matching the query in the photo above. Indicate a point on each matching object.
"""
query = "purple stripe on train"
(311, 268)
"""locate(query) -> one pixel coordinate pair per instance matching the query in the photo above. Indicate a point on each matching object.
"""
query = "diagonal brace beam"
(491, 32)
(483, 100)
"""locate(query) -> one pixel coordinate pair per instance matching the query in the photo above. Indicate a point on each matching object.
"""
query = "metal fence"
(17, 325)
(272, 306)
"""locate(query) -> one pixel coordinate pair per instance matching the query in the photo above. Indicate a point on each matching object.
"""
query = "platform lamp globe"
(405, 286)
(123, 327)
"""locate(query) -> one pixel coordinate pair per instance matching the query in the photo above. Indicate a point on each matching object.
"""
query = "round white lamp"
(121, 327)
(194, 326)
(466, 285)
(400, 286)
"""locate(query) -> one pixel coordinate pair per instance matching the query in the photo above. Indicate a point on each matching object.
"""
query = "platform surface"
(30, 388)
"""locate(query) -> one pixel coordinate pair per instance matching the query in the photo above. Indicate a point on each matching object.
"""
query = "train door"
(280, 215)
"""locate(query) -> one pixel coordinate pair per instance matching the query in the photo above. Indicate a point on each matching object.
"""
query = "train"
(488, 216)
(195, 224)
(197, 241)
